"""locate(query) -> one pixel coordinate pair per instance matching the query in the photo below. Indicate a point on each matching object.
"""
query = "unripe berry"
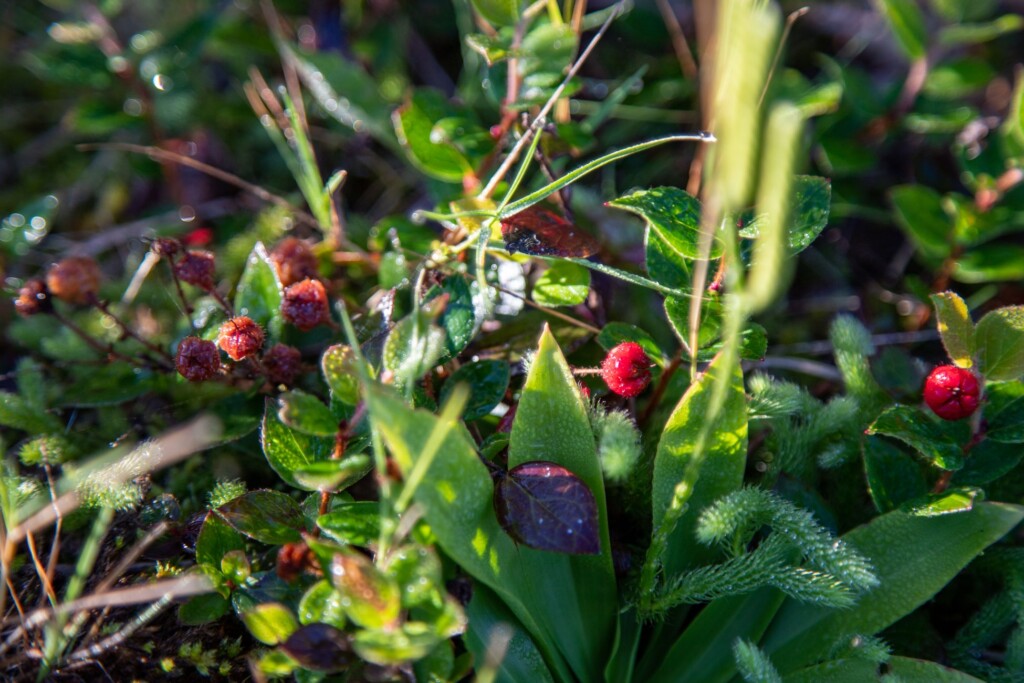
(165, 247)
(197, 359)
(305, 304)
(282, 364)
(33, 298)
(240, 337)
(626, 369)
(951, 392)
(196, 268)
(75, 279)
(294, 261)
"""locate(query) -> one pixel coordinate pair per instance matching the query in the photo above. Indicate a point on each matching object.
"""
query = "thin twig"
(679, 42)
(790, 20)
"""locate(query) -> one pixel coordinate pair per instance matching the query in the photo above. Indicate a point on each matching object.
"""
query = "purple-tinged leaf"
(320, 647)
(267, 516)
(545, 506)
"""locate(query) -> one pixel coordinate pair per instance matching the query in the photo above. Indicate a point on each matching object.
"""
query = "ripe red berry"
(282, 364)
(626, 369)
(240, 337)
(196, 268)
(33, 298)
(75, 279)
(197, 359)
(951, 392)
(305, 304)
(294, 261)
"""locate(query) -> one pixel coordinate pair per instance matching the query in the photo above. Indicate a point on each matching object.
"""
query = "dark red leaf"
(320, 647)
(545, 506)
(541, 232)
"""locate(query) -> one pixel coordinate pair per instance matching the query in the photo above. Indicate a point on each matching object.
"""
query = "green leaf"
(809, 211)
(414, 124)
(266, 516)
(949, 502)
(489, 619)
(339, 367)
(1005, 413)
(389, 647)
(459, 319)
(17, 413)
(356, 523)
(259, 293)
(988, 461)
(370, 598)
(908, 670)
(1000, 341)
(499, 12)
(955, 327)
(990, 262)
(562, 284)
(957, 79)
(914, 557)
(393, 271)
(893, 476)
(907, 24)
(494, 48)
(202, 609)
(971, 34)
(615, 333)
(413, 347)
(673, 214)
(918, 430)
(118, 383)
(216, 539)
(287, 449)
(850, 670)
(919, 212)
(721, 470)
(322, 604)
(31, 383)
(270, 623)
(664, 264)
(487, 380)
(1012, 130)
(306, 413)
(333, 475)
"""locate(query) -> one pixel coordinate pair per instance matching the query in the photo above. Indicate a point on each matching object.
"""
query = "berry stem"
(659, 390)
(127, 332)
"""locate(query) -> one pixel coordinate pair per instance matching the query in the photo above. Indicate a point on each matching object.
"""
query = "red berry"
(951, 392)
(294, 261)
(626, 369)
(196, 268)
(75, 279)
(305, 304)
(294, 559)
(240, 337)
(165, 246)
(33, 298)
(197, 359)
(282, 364)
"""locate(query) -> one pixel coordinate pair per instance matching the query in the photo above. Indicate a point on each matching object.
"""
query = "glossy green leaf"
(414, 123)
(615, 333)
(418, 571)
(370, 598)
(909, 670)
(918, 430)
(907, 24)
(490, 618)
(306, 413)
(259, 293)
(333, 475)
(287, 449)
(562, 284)
(990, 262)
(969, 34)
(460, 318)
(266, 516)
(1000, 341)
(499, 12)
(1005, 413)
(270, 622)
(493, 48)
(808, 216)
(919, 212)
(665, 265)
(394, 646)
(487, 381)
(893, 476)
(356, 523)
(393, 270)
(721, 469)
(988, 461)
(673, 214)
(339, 367)
(202, 609)
(914, 557)
(322, 603)
(955, 327)
(215, 540)
(949, 502)
(837, 671)
(677, 311)
(414, 346)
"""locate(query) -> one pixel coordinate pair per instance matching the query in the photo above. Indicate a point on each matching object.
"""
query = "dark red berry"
(197, 359)
(33, 298)
(951, 392)
(240, 337)
(294, 559)
(199, 237)
(75, 279)
(196, 268)
(165, 247)
(294, 261)
(626, 369)
(282, 364)
(305, 304)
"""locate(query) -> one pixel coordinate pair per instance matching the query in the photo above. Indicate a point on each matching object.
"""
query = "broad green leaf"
(1005, 413)
(339, 367)
(370, 598)
(958, 79)
(288, 449)
(893, 477)
(216, 539)
(955, 327)
(266, 516)
(665, 265)
(487, 380)
(914, 557)
(389, 647)
(490, 618)
(1012, 130)
(837, 671)
(918, 430)
(459, 319)
(202, 609)
(17, 413)
(333, 475)
(969, 34)
(907, 24)
(499, 12)
(393, 271)
(721, 470)
(919, 212)
(493, 48)
(259, 293)
(808, 216)
(673, 214)
(413, 347)
(306, 413)
(677, 311)
(414, 124)
(270, 623)
(909, 670)
(356, 523)
(949, 502)
(1000, 341)
(615, 333)
(990, 262)
(321, 604)
(562, 284)
(987, 461)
